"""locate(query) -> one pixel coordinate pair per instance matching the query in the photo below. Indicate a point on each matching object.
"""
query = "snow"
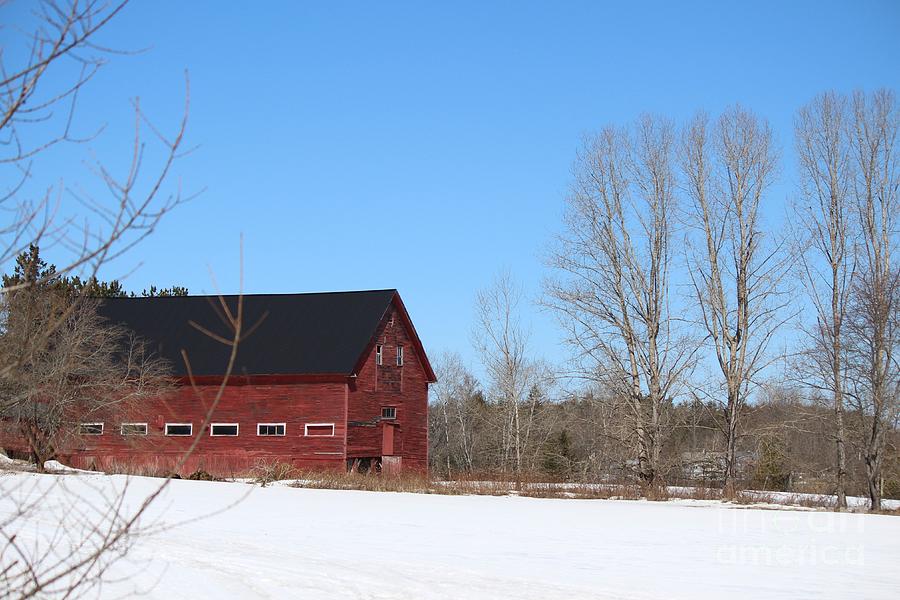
(853, 502)
(766, 499)
(51, 466)
(6, 461)
(235, 540)
(795, 500)
(56, 466)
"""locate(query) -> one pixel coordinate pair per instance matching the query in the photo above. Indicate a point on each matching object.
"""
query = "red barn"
(326, 380)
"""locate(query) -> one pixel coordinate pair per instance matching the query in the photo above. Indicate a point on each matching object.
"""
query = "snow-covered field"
(279, 542)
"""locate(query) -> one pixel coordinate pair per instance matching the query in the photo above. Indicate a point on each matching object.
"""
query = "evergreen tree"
(175, 290)
(31, 270)
(558, 456)
(772, 470)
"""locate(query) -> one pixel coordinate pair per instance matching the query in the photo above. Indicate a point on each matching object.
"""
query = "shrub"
(201, 475)
(265, 472)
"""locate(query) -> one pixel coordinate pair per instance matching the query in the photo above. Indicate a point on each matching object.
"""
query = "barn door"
(387, 438)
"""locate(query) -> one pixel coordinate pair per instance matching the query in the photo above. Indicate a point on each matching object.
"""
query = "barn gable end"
(403, 388)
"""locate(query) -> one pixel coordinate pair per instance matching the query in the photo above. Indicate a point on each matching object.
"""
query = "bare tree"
(98, 534)
(515, 378)
(59, 50)
(455, 416)
(825, 214)
(735, 271)
(615, 259)
(84, 370)
(875, 314)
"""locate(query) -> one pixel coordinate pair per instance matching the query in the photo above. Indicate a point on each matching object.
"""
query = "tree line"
(705, 344)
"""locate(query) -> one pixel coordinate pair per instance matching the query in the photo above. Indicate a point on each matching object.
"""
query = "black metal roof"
(298, 334)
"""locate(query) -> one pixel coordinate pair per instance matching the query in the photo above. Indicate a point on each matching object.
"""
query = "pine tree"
(31, 270)
(558, 456)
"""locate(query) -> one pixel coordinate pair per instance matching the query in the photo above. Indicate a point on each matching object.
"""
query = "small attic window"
(399, 356)
(379, 354)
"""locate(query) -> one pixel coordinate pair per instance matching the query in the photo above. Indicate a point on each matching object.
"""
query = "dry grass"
(887, 511)
(747, 497)
(406, 482)
(265, 473)
(799, 500)
(584, 491)
(145, 469)
(482, 484)
(496, 485)
(695, 493)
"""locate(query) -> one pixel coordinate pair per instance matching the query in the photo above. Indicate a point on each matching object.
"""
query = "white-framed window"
(133, 429)
(388, 412)
(379, 354)
(90, 428)
(399, 356)
(224, 429)
(270, 428)
(319, 429)
(176, 429)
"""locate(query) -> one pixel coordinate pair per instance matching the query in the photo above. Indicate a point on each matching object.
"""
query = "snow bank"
(280, 542)
(51, 466)
(6, 461)
(56, 466)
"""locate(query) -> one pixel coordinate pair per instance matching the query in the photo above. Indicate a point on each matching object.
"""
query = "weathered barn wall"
(247, 405)
(405, 388)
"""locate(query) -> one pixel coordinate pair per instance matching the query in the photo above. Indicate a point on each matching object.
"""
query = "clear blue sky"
(424, 146)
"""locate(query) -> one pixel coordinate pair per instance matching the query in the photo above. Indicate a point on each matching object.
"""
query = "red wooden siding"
(405, 388)
(295, 405)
